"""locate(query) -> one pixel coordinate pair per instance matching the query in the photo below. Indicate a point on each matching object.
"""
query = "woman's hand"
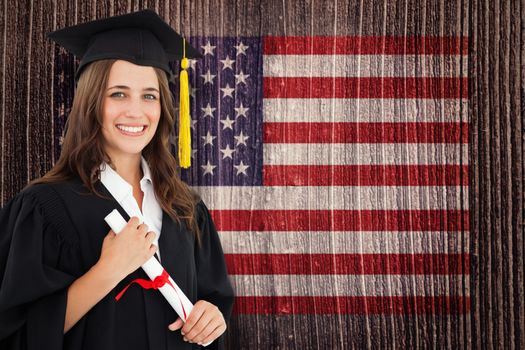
(205, 323)
(127, 251)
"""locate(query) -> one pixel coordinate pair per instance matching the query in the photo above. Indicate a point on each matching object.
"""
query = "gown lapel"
(103, 190)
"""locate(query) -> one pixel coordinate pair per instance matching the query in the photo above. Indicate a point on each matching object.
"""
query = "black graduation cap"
(141, 38)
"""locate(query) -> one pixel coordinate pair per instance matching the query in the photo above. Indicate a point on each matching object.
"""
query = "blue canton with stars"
(226, 111)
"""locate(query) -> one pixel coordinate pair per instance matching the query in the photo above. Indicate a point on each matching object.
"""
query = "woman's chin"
(126, 151)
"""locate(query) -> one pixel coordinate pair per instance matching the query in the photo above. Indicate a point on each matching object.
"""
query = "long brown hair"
(83, 150)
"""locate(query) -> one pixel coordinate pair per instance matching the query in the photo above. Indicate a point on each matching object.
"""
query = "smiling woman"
(61, 266)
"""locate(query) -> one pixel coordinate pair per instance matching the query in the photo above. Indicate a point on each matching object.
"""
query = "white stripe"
(349, 285)
(343, 242)
(364, 110)
(364, 66)
(333, 197)
(364, 153)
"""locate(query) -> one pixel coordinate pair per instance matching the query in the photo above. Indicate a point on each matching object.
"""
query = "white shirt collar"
(145, 170)
(118, 187)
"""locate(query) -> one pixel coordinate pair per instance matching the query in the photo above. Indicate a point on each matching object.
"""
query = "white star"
(208, 168)
(208, 139)
(241, 49)
(208, 111)
(193, 153)
(241, 78)
(193, 123)
(208, 48)
(227, 91)
(240, 111)
(191, 63)
(227, 123)
(208, 77)
(193, 91)
(227, 63)
(241, 168)
(241, 139)
(227, 152)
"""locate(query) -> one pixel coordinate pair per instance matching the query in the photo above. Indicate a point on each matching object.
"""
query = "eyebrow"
(124, 87)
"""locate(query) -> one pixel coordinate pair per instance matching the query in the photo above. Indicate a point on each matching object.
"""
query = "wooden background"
(31, 120)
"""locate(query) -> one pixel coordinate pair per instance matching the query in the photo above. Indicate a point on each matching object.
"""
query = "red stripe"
(347, 264)
(341, 220)
(365, 45)
(362, 305)
(365, 175)
(365, 87)
(365, 132)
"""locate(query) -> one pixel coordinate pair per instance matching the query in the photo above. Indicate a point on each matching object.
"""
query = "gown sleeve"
(212, 277)
(33, 292)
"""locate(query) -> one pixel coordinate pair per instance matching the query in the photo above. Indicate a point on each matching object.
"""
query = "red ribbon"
(157, 283)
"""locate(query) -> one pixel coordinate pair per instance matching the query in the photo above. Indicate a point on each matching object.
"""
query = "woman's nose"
(134, 108)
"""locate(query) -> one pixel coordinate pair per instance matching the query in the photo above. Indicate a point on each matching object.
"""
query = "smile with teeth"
(131, 129)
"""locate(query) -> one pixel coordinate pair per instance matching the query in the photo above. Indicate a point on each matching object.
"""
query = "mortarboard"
(142, 38)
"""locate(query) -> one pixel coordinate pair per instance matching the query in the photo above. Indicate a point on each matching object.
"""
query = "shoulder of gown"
(33, 291)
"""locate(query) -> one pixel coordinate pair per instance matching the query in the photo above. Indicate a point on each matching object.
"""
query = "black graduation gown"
(51, 234)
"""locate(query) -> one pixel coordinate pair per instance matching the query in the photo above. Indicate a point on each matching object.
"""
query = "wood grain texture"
(497, 100)
(344, 332)
(37, 85)
(16, 94)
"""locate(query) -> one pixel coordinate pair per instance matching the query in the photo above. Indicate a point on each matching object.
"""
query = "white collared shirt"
(122, 191)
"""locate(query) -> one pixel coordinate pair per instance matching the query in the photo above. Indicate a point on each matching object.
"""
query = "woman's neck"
(129, 168)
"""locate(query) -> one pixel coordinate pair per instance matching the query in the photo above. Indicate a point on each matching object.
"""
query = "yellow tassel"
(184, 115)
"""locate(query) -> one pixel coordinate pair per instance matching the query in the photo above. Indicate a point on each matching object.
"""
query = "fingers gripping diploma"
(205, 323)
(128, 250)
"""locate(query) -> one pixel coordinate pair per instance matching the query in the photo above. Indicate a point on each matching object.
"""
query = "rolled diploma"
(153, 268)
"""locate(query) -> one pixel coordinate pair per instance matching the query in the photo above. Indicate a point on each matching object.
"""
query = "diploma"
(173, 294)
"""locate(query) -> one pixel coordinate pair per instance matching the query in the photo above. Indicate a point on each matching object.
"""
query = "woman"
(60, 268)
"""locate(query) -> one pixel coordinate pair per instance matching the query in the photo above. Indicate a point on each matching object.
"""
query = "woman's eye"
(150, 97)
(118, 94)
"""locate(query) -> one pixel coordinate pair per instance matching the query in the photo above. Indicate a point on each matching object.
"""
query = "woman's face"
(131, 109)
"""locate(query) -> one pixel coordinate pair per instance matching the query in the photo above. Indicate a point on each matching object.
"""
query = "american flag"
(336, 171)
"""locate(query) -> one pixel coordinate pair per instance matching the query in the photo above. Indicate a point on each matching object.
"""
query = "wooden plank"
(16, 89)
(40, 73)
(3, 102)
(497, 49)
(342, 332)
